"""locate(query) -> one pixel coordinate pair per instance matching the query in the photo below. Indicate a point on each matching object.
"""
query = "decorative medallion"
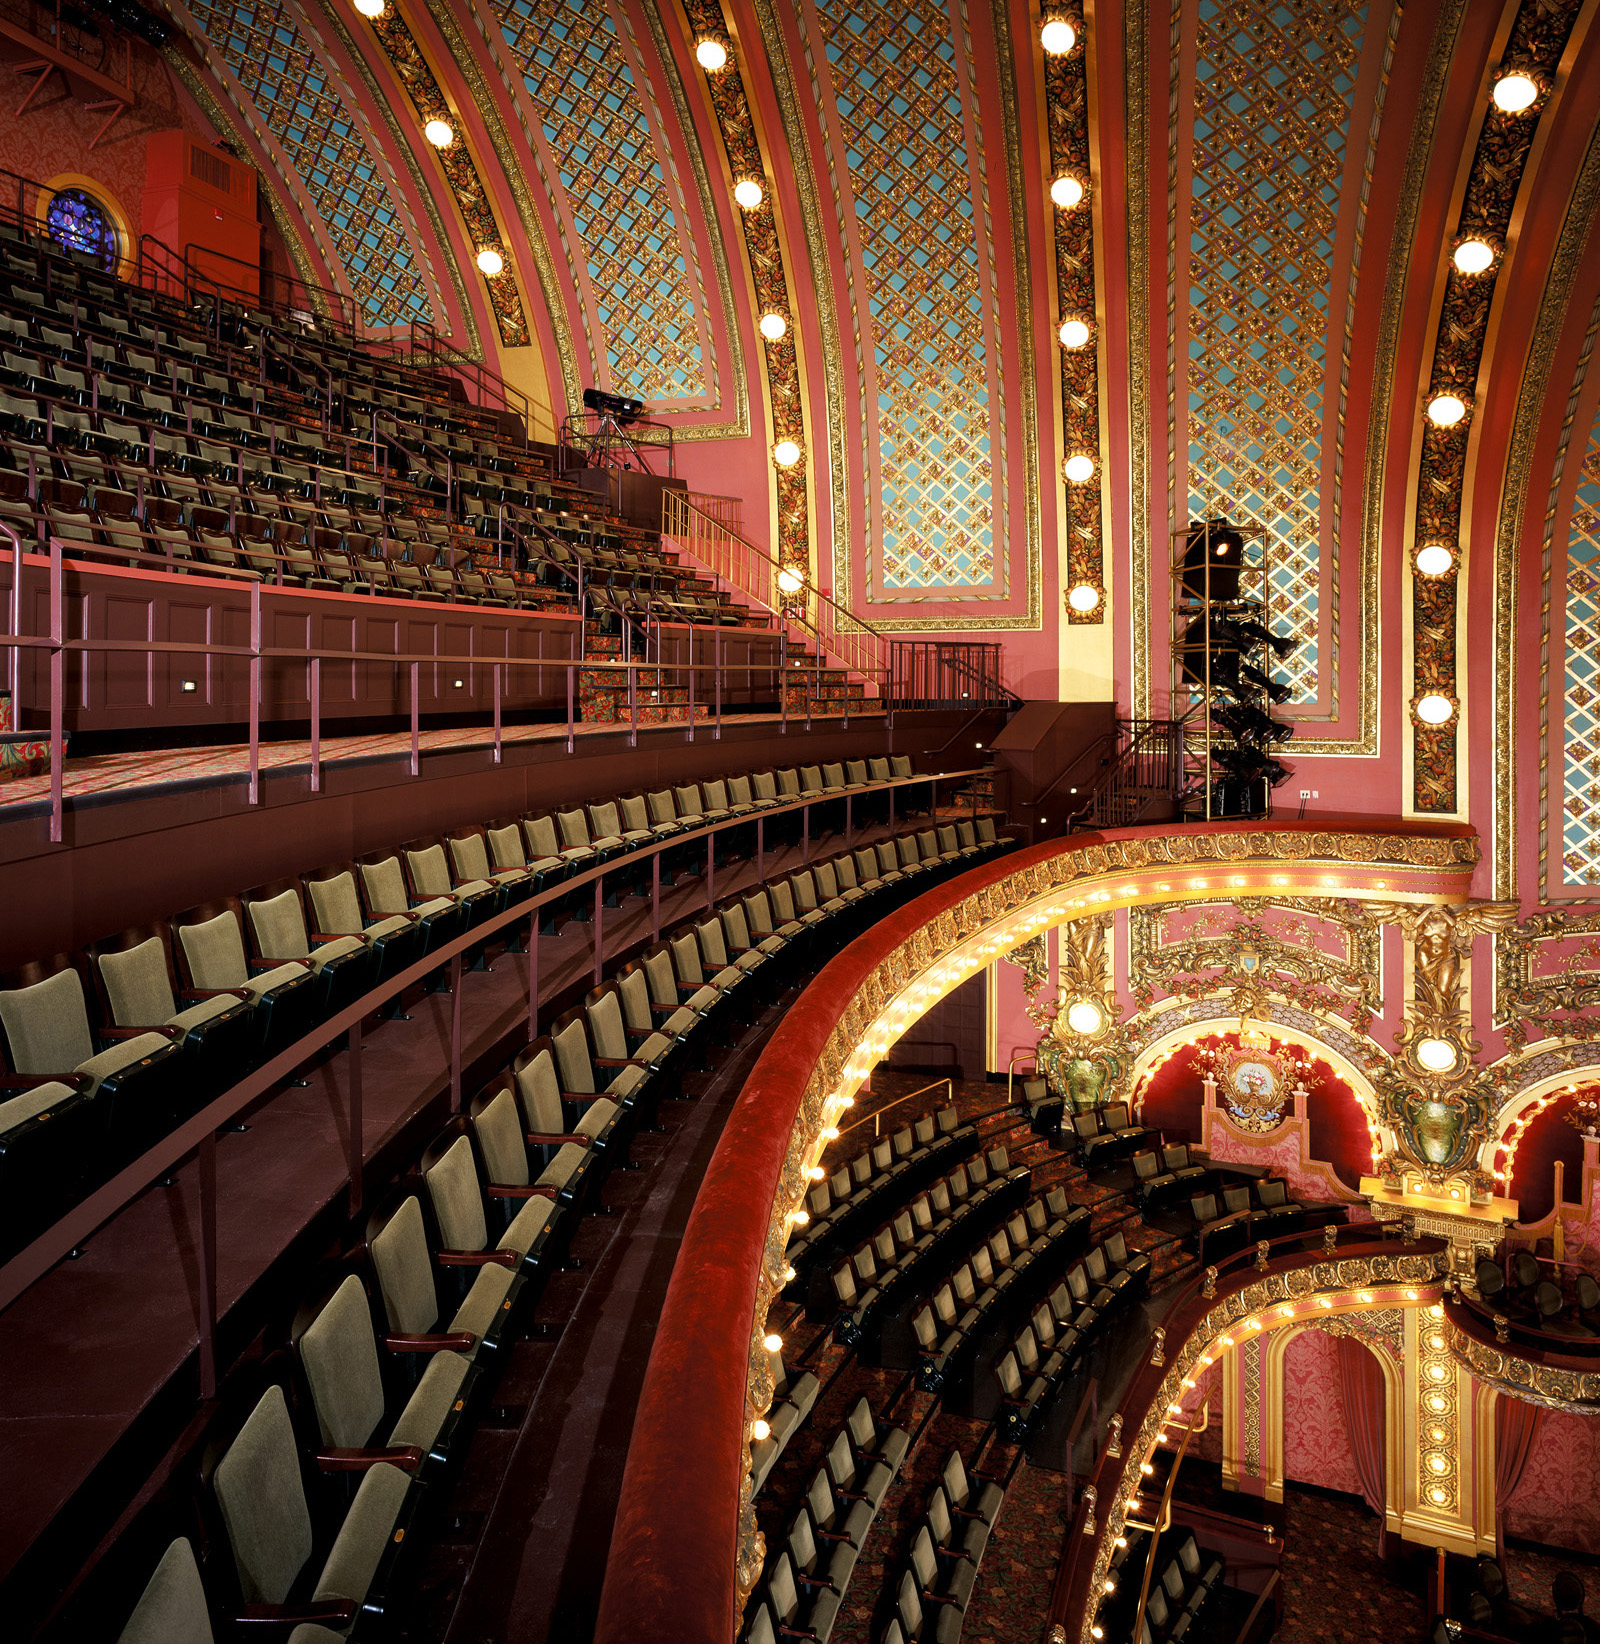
(1255, 1079)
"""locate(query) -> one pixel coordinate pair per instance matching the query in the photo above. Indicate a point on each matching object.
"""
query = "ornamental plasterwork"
(1353, 1277)
(1575, 1391)
(1380, 1327)
(1066, 103)
(1288, 959)
(1494, 185)
(1548, 962)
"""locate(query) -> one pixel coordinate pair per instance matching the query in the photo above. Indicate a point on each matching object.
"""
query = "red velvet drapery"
(1516, 1425)
(1362, 1386)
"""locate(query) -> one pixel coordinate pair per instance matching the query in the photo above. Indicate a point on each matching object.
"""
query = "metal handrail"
(878, 1113)
(1142, 750)
(1163, 1521)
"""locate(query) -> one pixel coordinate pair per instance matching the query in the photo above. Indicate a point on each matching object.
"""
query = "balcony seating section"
(108, 1048)
(808, 1574)
(999, 1277)
(1105, 1135)
(233, 441)
(942, 1563)
(1183, 1580)
(1245, 1213)
(792, 1400)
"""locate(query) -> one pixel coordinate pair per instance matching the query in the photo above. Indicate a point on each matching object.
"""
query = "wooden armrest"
(619, 1061)
(939, 1598)
(333, 1612)
(579, 1098)
(652, 1033)
(540, 1138)
(500, 1191)
(272, 964)
(407, 1457)
(458, 1341)
(138, 1032)
(829, 1535)
(850, 1495)
(197, 994)
(953, 1552)
(31, 1081)
(477, 1258)
(337, 935)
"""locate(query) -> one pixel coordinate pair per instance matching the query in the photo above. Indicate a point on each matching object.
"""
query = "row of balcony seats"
(1062, 1328)
(997, 1276)
(1102, 1136)
(868, 1285)
(1262, 1210)
(110, 1048)
(808, 1576)
(127, 405)
(875, 1179)
(1168, 1174)
(1184, 1581)
(792, 1400)
(946, 1554)
(1534, 1299)
(318, 1502)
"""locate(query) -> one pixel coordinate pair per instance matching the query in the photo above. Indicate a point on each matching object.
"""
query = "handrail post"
(255, 694)
(316, 724)
(58, 638)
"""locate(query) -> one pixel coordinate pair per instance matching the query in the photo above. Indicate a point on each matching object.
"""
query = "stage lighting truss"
(1223, 654)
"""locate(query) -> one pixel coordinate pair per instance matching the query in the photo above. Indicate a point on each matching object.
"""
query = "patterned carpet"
(1336, 1590)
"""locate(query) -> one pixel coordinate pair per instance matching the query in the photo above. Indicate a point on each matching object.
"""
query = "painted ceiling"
(1261, 262)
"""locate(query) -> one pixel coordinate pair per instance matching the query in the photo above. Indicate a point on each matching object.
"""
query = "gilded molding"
(411, 67)
(1066, 98)
(1494, 192)
(1575, 1391)
(401, 144)
(770, 276)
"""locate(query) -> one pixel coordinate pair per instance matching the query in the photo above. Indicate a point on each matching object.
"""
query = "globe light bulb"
(490, 262)
(760, 1430)
(786, 453)
(1473, 256)
(1057, 36)
(773, 1343)
(370, 8)
(1085, 1016)
(1434, 709)
(1066, 192)
(1079, 467)
(1437, 1055)
(711, 55)
(1514, 93)
(774, 327)
(748, 193)
(1434, 559)
(1074, 333)
(438, 133)
(1083, 599)
(790, 581)
(1446, 410)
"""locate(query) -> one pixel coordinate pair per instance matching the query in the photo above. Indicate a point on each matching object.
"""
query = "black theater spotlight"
(622, 410)
(1213, 552)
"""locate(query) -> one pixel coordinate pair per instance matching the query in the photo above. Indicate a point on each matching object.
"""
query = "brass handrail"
(878, 1113)
(1164, 1518)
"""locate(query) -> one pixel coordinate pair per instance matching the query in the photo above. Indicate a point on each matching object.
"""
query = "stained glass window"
(78, 222)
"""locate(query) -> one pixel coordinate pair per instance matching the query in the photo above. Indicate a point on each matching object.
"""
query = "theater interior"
(800, 821)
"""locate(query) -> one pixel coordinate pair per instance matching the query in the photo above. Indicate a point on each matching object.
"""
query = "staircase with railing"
(1129, 775)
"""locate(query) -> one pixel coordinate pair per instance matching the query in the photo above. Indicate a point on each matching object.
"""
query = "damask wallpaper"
(1557, 1499)
(1316, 1437)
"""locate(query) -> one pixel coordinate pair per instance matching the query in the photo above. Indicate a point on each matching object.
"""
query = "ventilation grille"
(211, 169)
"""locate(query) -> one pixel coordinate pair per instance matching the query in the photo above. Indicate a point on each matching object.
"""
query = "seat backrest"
(635, 814)
(1189, 1557)
(999, 1160)
(841, 1461)
(606, 1027)
(1172, 1580)
(907, 846)
(1155, 1609)
(926, 1331)
(925, 1130)
(900, 766)
(819, 1500)
(215, 951)
(1116, 1116)
(572, 1059)
(878, 769)
(471, 856)
(457, 1197)
(782, 1592)
(1235, 1199)
(866, 1267)
(788, 784)
(574, 829)
(633, 992)
(384, 884)
(1086, 1125)
(662, 978)
(1038, 1217)
(904, 1143)
(908, 1602)
(498, 1128)
(1526, 1268)
(923, 1564)
(172, 1609)
(661, 807)
(960, 1183)
(262, 1499)
(802, 1543)
(137, 985)
(888, 857)
(1547, 1298)
(758, 914)
(805, 890)
(1175, 1157)
(1056, 1201)
(882, 1154)
(1044, 1324)
(607, 820)
(739, 790)
(827, 881)
(1204, 1207)
(686, 957)
(883, 1242)
(542, 837)
(939, 1197)
(947, 838)
(335, 906)
(862, 1428)
(1269, 1191)
(764, 785)
(844, 870)
(688, 800)
(1145, 1166)
(716, 795)
(944, 1304)
(735, 929)
(819, 1199)
(965, 835)
(782, 894)
(404, 1271)
(1027, 1350)
(1078, 1283)
(712, 945)
(279, 923)
(430, 873)
(1094, 1263)
(811, 779)
(539, 1090)
(340, 1359)
(982, 1265)
(833, 776)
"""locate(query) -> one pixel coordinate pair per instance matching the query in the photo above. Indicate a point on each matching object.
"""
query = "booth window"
(77, 221)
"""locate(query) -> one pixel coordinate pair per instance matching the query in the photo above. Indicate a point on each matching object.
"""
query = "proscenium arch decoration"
(1157, 1051)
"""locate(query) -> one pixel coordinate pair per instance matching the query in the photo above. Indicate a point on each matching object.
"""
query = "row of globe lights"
(1514, 92)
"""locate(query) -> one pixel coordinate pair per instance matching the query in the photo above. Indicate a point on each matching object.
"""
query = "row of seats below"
(1247, 1213)
(807, 1578)
(1048, 1349)
(945, 1556)
(867, 1285)
(1181, 1585)
(1533, 1298)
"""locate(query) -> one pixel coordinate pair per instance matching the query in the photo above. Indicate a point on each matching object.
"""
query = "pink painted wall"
(53, 136)
(1316, 1438)
(1557, 1500)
